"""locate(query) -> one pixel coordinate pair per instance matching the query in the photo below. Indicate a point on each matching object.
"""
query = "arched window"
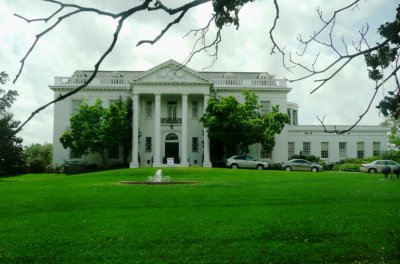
(171, 136)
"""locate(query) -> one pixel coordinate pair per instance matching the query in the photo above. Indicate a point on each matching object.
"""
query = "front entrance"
(171, 148)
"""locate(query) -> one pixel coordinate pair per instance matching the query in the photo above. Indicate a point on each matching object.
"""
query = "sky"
(78, 42)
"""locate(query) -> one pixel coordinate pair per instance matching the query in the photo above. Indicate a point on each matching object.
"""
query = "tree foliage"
(11, 150)
(386, 56)
(394, 133)
(241, 124)
(94, 129)
(84, 135)
(117, 126)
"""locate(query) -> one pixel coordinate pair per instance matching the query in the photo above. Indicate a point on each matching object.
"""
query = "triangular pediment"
(170, 72)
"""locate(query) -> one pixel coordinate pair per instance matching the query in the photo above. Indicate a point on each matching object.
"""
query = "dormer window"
(264, 76)
(117, 78)
(228, 75)
(80, 77)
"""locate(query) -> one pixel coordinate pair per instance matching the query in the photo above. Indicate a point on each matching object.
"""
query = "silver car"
(301, 164)
(243, 161)
(377, 165)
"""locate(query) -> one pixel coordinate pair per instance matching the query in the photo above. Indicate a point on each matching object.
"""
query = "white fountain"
(158, 177)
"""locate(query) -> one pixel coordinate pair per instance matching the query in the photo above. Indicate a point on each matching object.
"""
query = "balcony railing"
(99, 81)
(124, 81)
(171, 120)
(246, 83)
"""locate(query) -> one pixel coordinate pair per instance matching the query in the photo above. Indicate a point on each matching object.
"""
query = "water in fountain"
(158, 177)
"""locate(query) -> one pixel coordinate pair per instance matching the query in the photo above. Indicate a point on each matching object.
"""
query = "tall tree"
(11, 149)
(117, 126)
(394, 135)
(95, 129)
(274, 121)
(85, 135)
(241, 125)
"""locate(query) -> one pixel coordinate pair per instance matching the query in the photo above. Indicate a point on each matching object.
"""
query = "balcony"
(171, 120)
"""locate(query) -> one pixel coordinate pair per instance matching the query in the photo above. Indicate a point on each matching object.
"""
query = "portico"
(161, 100)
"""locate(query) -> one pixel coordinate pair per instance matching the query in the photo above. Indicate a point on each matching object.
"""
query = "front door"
(172, 147)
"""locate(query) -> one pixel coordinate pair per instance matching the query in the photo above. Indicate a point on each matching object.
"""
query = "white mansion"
(168, 101)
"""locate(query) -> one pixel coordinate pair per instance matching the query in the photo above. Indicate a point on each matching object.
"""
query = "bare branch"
(377, 87)
(175, 21)
(96, 67)
(203, 42)
(271, 36)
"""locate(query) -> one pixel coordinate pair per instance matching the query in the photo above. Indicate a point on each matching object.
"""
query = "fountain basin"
(158, 179)
(157, 183)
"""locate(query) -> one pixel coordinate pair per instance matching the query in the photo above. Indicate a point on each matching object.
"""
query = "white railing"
(108, 80)
(101, 81)
(250, 82)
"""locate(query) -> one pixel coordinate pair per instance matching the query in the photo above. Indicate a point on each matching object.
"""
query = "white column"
(206, 162)
(157, 131)
(135, 133)
(184, 156)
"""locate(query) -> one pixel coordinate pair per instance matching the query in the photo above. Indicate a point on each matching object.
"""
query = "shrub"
(274, 166)
(76, 167)
(347, 167)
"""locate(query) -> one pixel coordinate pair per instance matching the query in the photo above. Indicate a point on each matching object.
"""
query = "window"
(148, 144)
(360, 149)
(149, 109)
(76, 104)
(324, 150)
(113, 152)
(295, 117)
(266, 107)
(342, 150)
(195, 109)
(264, 154)
(73, 154)
(376, 148)
(195, 144)
(289, 113)
(171, 136)
(306, 148)
(290, 150)
(172, 110)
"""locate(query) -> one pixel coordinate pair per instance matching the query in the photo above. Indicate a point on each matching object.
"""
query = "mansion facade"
(168, 102)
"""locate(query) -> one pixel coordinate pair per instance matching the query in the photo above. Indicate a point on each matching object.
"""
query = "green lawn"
(229, 216)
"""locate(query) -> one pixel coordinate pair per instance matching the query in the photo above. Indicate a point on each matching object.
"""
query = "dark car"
(243, 161)
(301, 164)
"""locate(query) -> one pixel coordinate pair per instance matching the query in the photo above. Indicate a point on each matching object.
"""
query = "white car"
(377, 165)
(243, 161)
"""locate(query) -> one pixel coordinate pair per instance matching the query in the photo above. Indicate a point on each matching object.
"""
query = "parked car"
(243, 161)
(301, 164)
(378, 165)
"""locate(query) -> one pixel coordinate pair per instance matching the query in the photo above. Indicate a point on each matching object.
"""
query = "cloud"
(77, 43)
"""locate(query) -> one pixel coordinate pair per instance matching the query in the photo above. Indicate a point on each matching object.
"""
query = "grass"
(229, 216)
